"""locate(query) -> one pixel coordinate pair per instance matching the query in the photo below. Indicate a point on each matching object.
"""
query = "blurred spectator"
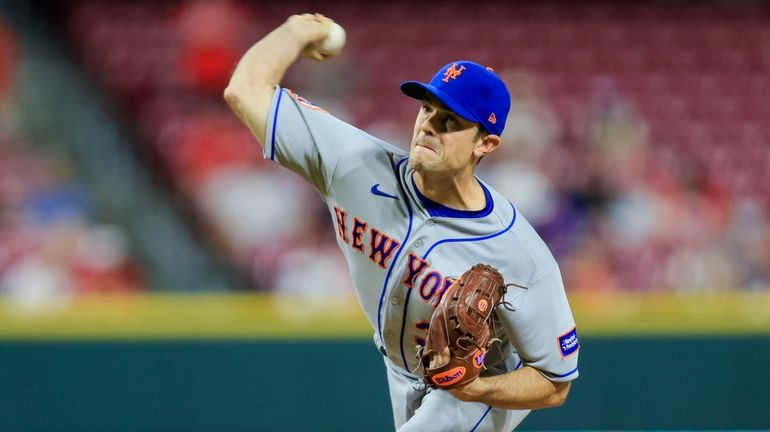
(102, 264)
(531, 131)
(10, 53)
(532, 127)
(9, 58)
(212, 34)
(748, 237)
(204, 143)
(50, 248)
(254, 210)
(309, 275)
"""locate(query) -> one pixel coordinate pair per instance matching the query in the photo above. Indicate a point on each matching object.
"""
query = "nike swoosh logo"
(375, 190)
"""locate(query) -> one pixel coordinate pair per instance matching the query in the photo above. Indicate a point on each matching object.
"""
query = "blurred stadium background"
(156, 274)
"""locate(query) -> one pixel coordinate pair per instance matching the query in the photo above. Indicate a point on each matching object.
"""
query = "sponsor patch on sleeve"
(568, 343)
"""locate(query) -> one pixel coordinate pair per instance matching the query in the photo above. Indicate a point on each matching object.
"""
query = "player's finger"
(306, 17)
(327, 22)
(314, 54)
(440, 358)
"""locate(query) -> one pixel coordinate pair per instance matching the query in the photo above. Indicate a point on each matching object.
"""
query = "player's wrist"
(480, 389)
(292, 38)
(474, 391)
(304, 30)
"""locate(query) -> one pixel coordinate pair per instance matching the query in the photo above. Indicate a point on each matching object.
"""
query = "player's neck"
(460, 192)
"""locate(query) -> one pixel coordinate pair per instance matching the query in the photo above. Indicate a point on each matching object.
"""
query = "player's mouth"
(421, 143)
(426, 148)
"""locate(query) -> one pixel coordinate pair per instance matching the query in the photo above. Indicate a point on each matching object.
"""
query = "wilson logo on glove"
(449, 377)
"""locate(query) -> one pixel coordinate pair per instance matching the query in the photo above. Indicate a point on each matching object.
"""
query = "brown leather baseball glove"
(460, 331)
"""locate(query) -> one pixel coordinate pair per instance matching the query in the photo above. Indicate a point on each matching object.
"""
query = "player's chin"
(418, 164)
(422, 160)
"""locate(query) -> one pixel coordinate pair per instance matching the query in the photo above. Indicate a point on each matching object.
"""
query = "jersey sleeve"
(541, 327)
(305, 138)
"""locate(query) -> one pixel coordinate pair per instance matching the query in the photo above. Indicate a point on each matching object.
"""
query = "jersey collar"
(439, 210)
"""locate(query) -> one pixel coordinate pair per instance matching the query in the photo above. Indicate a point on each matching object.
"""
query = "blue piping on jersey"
(521, 363)
(392, 265)
(474, 238)
(275, 119)
(566, 374)
(482, 418)
(403, 329)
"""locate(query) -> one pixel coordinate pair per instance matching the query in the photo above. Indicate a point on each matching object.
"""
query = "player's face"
(442, 140)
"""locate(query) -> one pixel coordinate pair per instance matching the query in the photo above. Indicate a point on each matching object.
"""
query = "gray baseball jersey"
(404, 250)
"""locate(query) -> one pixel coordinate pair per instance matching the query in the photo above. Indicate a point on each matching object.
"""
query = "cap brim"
(417, 90)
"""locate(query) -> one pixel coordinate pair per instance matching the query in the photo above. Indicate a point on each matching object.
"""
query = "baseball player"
(410, 223)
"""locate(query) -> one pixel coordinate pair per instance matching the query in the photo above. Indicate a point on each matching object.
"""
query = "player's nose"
(427, 125)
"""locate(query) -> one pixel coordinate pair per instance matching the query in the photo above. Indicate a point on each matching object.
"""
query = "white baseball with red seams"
(334, 41)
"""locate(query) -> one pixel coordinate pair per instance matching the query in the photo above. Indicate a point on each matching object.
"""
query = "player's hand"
(470, 392)
(309, 29)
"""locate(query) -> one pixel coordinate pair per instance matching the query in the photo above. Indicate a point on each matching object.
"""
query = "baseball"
(334, 41)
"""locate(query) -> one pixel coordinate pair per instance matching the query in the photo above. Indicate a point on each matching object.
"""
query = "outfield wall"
(59, 374)
(625, 383)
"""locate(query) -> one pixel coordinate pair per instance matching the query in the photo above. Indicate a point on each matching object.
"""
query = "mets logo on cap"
(452, 72)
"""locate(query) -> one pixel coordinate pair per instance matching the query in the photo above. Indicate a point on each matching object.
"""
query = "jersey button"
(429, 222)
(418, 243)
(394, 301)
(389, 332)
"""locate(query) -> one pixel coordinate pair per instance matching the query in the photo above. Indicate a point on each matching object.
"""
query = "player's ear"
(487, 144)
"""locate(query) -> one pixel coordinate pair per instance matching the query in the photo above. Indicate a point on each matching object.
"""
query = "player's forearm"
(258, 72)
(264, 65)
(525, 388)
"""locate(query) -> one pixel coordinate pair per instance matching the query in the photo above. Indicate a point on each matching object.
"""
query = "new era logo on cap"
(472, 91)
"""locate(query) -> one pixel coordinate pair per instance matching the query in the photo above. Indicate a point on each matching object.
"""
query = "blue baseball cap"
(472, 91)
